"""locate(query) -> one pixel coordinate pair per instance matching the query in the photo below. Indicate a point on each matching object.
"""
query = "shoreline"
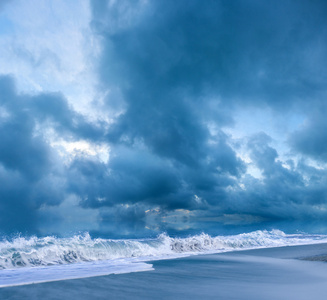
(266, 273)
(310, 252)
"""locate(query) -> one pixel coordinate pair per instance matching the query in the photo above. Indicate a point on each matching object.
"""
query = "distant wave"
(47, 251)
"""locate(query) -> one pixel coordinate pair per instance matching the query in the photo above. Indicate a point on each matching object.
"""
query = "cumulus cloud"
(287, 190)
(311, 139)
(32, 173)
(174, 75)
(174, 62)
(261, 52)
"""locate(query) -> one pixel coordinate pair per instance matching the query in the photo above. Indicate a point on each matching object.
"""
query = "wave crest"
(34, 251)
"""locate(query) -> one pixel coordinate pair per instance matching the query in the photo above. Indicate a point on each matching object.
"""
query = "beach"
(163, 149)
(292, 272)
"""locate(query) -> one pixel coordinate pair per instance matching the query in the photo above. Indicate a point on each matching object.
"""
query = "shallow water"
(35, 260)
(275, 273)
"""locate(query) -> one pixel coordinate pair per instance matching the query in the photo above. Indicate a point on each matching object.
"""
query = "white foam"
(31, 260)
(25, 276)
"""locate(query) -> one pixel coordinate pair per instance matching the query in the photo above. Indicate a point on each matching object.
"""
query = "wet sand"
(297, 272)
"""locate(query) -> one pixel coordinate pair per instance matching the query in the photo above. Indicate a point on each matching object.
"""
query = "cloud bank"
(173, 77)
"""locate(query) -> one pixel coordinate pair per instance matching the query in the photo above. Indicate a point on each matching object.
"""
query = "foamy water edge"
(35, 260)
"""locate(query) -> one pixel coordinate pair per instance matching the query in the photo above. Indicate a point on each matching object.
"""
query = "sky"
(131, 118)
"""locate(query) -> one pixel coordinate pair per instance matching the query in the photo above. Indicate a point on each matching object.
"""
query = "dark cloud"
(31, 171)
(135, 175)
(182, 69)
(242, 51)
(128, 178)
(123, 221)
(285, 191)
(174, 74)
(161, 64)
(311, 139)
(24, 160)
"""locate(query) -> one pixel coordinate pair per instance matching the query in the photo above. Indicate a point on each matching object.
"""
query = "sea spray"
(46, 251)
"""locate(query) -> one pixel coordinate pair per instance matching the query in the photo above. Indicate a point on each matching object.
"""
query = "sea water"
(34, 260)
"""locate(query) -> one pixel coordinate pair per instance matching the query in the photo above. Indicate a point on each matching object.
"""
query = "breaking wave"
(47, 251)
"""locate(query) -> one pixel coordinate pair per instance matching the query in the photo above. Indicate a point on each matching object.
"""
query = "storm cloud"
(173, 76)
(32, 173)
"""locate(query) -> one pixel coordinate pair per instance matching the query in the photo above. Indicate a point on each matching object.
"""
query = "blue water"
(34, 260)
(273, 273)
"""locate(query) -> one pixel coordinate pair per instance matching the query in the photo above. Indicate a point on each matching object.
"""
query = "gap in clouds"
(199, 116)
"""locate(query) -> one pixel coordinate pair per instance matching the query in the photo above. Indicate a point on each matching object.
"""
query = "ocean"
(255, 265)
